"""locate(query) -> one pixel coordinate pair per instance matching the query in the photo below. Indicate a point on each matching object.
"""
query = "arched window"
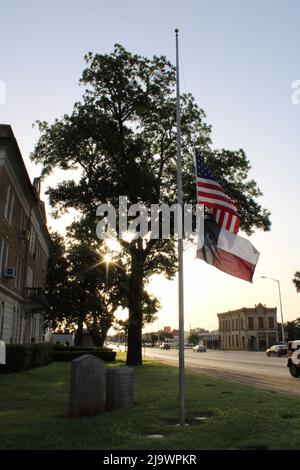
(1, 319)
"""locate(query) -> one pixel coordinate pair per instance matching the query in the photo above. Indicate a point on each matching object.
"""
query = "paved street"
(253, 368)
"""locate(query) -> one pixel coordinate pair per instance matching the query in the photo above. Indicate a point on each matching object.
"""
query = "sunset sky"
(239, 59)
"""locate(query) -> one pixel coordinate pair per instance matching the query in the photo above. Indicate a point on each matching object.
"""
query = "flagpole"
(180, 248)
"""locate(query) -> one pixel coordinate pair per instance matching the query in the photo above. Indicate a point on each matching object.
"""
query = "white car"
(199, 348)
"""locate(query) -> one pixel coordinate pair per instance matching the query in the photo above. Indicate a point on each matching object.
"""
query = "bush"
(65, 347)
(41, 354)
(20, 357)
(107, 355)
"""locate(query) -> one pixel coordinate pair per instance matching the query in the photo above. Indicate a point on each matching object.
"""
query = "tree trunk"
(98, 337)
(79, 331)
(136, 285)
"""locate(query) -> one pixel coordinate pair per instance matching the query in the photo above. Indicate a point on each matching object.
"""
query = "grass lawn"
(33, 409)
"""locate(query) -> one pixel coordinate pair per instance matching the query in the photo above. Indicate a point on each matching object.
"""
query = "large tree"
(293, 329)
(85, 289)
(296, 280)
(57, 282)
(82, 289)
(122, 138)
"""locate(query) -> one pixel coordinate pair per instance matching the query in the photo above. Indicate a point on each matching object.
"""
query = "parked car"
(277, 350)
(199, 348)
(293, 362)
(165, 346)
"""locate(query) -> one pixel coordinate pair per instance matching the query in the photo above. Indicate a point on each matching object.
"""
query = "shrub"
(65, 347)
(41, 354)
(106, 355)
(20, 357)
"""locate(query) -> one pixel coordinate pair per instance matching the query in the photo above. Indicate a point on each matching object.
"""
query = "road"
(252, 368)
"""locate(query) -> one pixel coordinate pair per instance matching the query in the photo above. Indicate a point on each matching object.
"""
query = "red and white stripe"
(225, 211)
(227, 220)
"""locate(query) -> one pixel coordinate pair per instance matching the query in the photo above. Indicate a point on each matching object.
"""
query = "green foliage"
(194, 339)
(293, 329)
(82, 289)
(57, 288)
(121, 138)
(34, 414)
(20, 357)
(106, 355)
(296, 280)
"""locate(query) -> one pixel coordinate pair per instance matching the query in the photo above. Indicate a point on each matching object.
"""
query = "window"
(271, 322)
(11, 209)
(20, 326)
(250, 323)
(9, 204)
(33, 242)
(4, 252)
(7, 199)
(1, 254)
(261, 323)
(13, 326)
(237, 341)
(6, 255)
(23, 220)
(1, 319)
(33, 329)
(29, 278)
(19, 269)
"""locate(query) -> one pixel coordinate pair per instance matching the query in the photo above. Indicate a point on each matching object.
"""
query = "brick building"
(248, 329)
(24, 247)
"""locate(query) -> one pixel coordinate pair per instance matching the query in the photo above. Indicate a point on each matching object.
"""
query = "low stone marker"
(119, 387)
(87, 386)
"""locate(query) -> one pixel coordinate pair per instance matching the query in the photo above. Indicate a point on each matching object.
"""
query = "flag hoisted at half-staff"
(218, 243)
(226, 251)
(211, 194)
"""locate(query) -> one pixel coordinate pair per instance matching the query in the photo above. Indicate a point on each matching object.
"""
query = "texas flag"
(226, 251)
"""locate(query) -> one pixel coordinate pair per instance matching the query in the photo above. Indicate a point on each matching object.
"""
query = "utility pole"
(280, 302)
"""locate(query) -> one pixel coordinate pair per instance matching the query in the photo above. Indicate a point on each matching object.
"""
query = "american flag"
(211, 194)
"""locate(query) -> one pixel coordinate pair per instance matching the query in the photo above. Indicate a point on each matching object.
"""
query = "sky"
(239, 58)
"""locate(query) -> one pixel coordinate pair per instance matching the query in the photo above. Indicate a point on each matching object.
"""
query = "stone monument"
(119, 387)
(87, 386)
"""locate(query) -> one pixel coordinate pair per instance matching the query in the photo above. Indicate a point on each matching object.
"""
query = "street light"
(280, 301)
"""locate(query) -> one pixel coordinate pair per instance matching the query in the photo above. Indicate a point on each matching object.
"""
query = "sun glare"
(107, 258)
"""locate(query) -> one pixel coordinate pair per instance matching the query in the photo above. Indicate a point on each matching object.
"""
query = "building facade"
(211, 340)
(24, 247)
(248, 329)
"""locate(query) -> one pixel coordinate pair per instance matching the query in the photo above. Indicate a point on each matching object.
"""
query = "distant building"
(24, 247)
(167, 329)
(211, 340)
(175, 334)
(63, 338)
(248, 329)
(199, 331)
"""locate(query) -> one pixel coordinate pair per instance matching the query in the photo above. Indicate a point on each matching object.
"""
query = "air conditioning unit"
(9, 272)
(25, 234)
